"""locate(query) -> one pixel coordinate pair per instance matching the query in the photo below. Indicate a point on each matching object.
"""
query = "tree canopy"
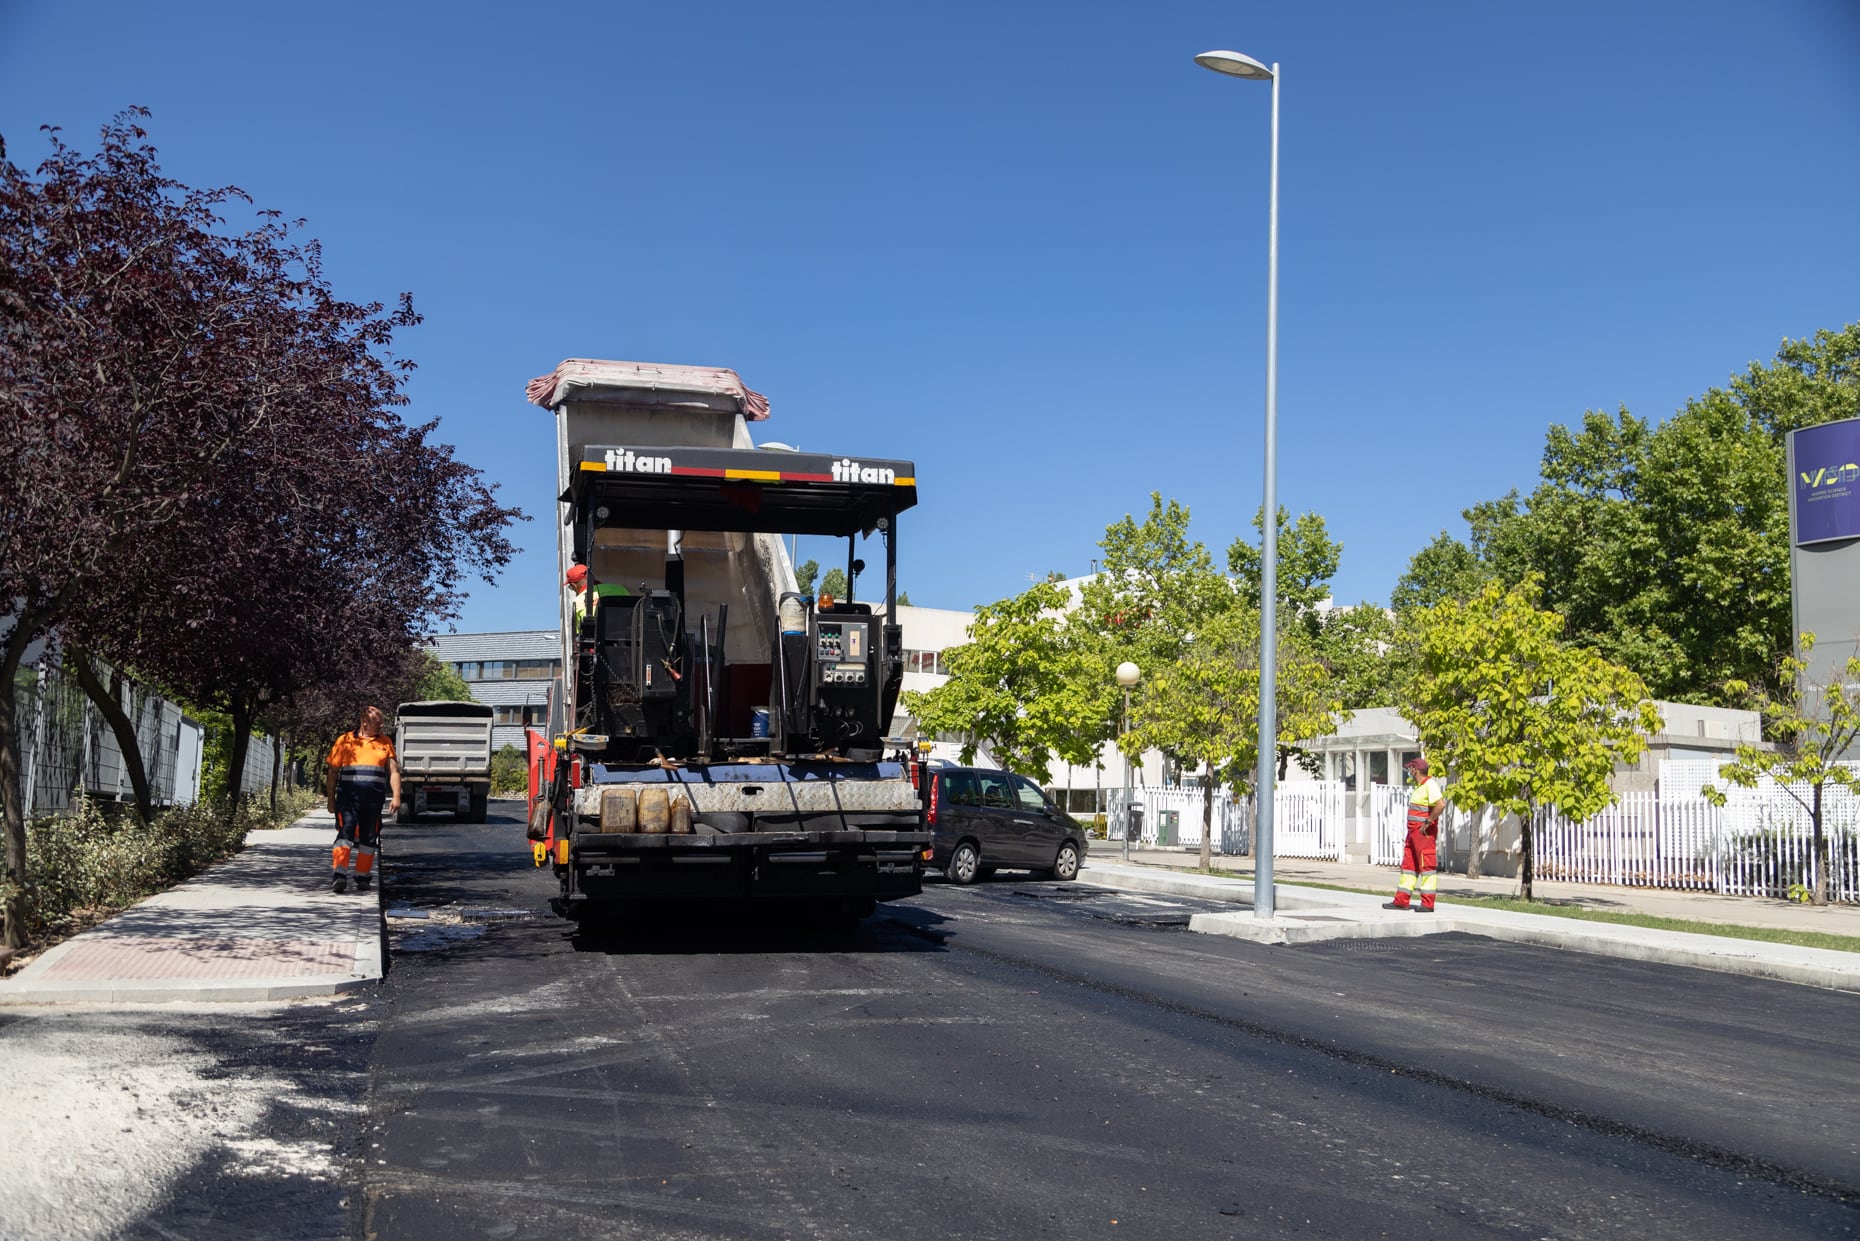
(1025, 683)
(1203, 707)
(1519, 718)
(1666, 547)
(212, 485)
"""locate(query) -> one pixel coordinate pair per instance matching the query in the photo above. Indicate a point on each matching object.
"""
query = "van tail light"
(936, 786)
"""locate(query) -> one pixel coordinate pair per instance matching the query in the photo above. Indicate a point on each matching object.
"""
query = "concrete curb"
(1314, 915)
(263, 895)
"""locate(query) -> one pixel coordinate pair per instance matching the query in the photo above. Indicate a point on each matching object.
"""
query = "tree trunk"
(121, 726)
(1821, 853)
(1527, 841)
(12, 805)
(241, 709)
(1207, 820)
(1475, 842)
(277, 766)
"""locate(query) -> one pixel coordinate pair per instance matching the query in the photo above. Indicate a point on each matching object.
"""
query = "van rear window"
(959, 788)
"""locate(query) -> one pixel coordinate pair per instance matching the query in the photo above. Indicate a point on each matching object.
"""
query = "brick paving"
(142, 960)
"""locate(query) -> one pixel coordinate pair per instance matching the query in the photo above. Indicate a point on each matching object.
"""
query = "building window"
(508, 669)
(508, 715)
(926, 661)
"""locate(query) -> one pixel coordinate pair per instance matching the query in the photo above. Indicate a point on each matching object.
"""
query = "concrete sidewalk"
(262, 925)
(1310, 914)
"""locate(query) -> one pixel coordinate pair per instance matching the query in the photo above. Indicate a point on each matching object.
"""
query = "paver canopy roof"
(590, 379)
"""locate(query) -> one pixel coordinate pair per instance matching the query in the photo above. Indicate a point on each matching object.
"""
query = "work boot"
(1424, 909)
(1394, 905)
(363, 882)
(340, 883)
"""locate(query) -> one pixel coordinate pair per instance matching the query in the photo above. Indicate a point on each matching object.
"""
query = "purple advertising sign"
(1826, 495)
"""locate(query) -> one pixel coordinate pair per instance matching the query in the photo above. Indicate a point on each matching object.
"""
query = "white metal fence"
(1758, 844)
(1308, 819)
(67, 745)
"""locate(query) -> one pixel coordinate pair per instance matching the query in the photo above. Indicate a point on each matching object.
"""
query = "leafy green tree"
(510, 771)
(1025, 682)
(904, 599)
(1359, 647)
(805, 574)
(1813, 727)
(1519, 718)
(1155, 588)
(834, 583)
(1667, 547)
(1203, 707)
(438, 682)
(1446, 569)
(1307, 560)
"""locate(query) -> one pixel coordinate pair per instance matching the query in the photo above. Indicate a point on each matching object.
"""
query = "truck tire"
(404, 812)
(480, 799)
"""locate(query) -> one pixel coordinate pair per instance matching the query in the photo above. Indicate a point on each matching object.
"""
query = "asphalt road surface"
(1025, 1059)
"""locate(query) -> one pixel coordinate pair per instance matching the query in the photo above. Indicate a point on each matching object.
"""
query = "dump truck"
(717, 734)
(444, 750)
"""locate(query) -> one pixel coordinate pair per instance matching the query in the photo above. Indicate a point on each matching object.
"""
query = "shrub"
(510, 771)
(92, 861)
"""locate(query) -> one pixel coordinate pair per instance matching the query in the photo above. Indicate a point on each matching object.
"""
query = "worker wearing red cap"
(577, 580)
(1427, 800)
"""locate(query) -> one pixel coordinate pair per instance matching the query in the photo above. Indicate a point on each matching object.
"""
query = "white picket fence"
(1758, 844)
(1308, 818)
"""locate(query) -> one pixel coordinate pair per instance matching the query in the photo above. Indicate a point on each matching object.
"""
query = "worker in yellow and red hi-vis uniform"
(1427, 801)
(363, 773)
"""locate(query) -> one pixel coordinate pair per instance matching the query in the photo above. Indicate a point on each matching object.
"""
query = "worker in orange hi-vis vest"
(1427, 801)
(363, 773)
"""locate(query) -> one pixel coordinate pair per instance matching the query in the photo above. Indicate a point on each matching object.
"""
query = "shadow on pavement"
(739, 931)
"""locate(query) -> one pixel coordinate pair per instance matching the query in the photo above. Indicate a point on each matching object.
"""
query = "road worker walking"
(1427, 801)
(363, 773)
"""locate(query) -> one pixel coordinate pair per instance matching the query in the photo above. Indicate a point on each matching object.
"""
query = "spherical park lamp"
(1128, 674)
(1238, 65)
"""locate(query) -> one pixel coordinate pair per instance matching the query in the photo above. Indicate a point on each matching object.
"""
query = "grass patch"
(1582, 913)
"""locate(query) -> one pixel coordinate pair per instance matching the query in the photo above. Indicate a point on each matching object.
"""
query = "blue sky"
(1023, 244)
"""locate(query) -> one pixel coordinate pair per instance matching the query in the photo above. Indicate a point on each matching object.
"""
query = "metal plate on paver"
(774, 796)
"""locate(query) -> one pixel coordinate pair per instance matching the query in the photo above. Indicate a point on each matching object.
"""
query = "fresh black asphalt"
(1030, 1059)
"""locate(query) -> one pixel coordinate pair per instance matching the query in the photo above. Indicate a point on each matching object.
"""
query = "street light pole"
(1234, 64)
(1128, 674)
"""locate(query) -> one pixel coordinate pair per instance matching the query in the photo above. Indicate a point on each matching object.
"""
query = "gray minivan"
(983, 820)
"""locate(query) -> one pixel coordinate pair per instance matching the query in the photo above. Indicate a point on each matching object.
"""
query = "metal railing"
(67, 745)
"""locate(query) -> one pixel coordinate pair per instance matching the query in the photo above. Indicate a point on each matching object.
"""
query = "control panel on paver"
(840, 652)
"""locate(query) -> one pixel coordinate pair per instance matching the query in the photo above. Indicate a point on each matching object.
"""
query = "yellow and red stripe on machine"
(748, 465)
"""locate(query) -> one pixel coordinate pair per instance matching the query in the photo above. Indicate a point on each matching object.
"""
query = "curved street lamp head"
(1128, 674)
(1235, 65)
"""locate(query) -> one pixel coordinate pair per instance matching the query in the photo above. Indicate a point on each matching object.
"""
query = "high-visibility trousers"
(1418, 862)
(358, 831)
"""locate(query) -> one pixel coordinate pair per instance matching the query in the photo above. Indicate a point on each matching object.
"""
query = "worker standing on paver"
(363, 773)
(1427, 800)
